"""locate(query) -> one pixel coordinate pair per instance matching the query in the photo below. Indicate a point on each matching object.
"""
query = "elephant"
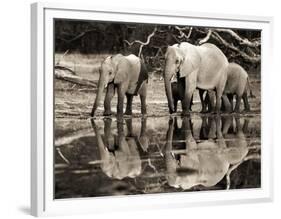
(119, 153)
(126, 74)
(202, 67)
(178, 93)
(237, 84)
(204, 163)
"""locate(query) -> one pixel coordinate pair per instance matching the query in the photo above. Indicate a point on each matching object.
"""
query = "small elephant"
(237, 84)
(129, 76)
(178, 93)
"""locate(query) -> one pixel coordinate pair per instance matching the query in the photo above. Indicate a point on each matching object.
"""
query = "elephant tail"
(249, 87)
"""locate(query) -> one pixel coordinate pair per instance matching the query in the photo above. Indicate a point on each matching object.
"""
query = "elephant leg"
(226, 124)
(107, 101)
(143, 139)
(219, 93)
(185, 105)
(129, 104)
(237, 105)
(186, 102)
(129, 124)
(204, 128)
(175, 104)
(203, 101)
(211, 99)
(238, 125)
(190, 86)
(120, 132)
(222, 106)
(245, 126)
(120, 102)
(143, 105)
(191, 103)
(226, 104)
(246, 102)
(209, 103)
(218, 127)
(212, 128)
(143, 93)
(230, 98)
(107, 127)
(220, 140)
(143, 127)
(109, 139)
(169, 137)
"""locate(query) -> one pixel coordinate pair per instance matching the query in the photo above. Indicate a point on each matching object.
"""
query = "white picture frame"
(42, 201)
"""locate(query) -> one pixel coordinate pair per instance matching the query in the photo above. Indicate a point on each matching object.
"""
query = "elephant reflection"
(204, 163)
(119, 152)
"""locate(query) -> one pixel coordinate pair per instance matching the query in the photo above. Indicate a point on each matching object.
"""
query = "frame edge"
(37, 73)
(37, 206)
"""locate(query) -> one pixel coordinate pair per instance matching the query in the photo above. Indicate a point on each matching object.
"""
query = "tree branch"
(242, 41)
(60, 67)
(182, 34)
(253, 59)
(62, 156)
(207, 37)
(61, 74)
(142, 44)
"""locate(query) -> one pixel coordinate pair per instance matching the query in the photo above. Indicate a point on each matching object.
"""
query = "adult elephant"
(127, 75)
(202, 67)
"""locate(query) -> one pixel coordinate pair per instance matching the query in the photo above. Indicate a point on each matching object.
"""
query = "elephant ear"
(187, 67)
(121, 71)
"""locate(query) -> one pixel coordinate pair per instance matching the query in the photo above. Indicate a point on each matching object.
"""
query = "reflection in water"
(156, 155)
(204, 163)
(119, 153)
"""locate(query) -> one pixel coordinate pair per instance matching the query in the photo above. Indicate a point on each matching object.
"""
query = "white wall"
(15, 106)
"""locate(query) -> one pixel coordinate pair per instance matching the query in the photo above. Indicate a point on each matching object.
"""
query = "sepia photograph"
(142, 108)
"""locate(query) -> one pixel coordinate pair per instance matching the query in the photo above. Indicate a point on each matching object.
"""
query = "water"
(104, 157)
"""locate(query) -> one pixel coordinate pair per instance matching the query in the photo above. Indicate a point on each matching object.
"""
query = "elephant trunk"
(168, 89)
(101, 87)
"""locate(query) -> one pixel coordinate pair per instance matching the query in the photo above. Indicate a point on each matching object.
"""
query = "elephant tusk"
(173, 78)
(105, 86)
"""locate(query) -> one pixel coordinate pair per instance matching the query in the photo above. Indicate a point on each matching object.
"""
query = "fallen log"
(63, 75)
(59, 67)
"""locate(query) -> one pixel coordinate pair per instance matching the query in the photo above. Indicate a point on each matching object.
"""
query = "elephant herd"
(187, 68)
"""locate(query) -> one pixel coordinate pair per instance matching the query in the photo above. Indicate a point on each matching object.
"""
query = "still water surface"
(105, 157)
